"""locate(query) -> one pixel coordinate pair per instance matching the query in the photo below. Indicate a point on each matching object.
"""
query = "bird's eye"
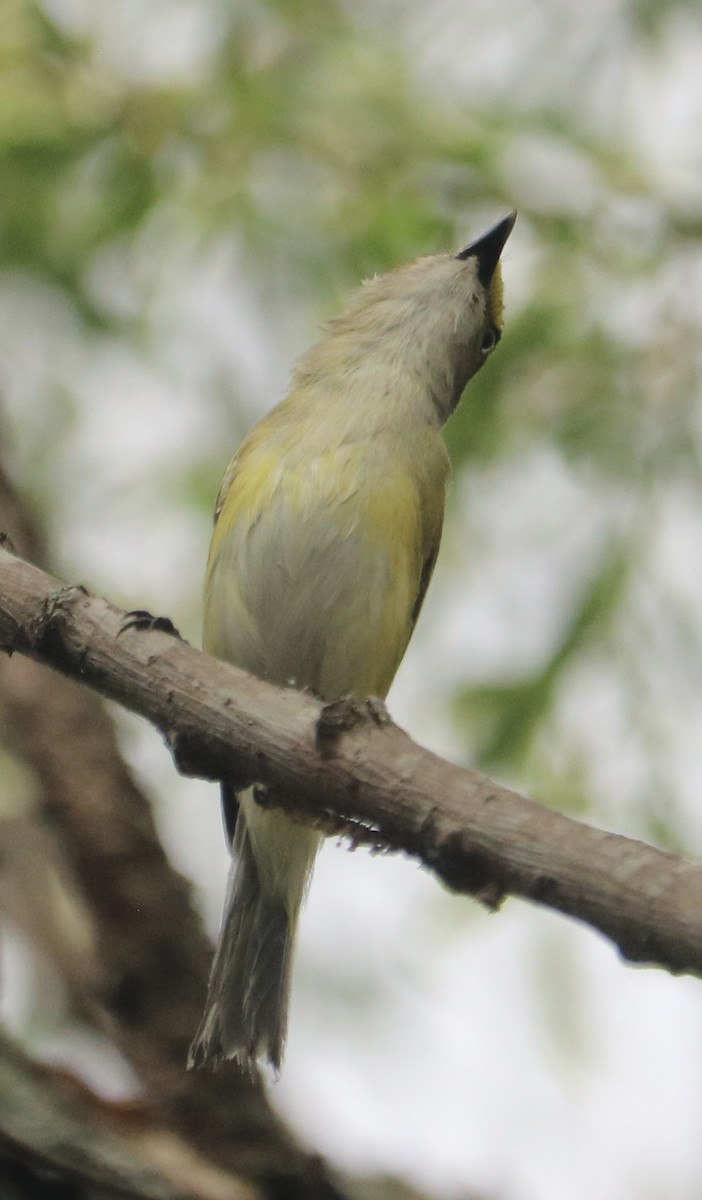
(490, 339)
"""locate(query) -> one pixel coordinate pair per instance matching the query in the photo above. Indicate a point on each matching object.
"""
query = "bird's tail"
(246, 1011)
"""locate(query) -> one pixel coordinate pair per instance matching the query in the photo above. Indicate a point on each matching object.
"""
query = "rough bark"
(349, 769)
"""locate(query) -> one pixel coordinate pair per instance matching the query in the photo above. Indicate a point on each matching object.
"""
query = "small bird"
(327, 528)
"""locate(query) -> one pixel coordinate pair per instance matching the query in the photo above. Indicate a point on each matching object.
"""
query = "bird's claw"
(140, 619)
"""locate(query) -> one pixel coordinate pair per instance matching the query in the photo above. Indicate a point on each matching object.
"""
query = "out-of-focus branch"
(47, 1135)
(146, 980)
(339, 764)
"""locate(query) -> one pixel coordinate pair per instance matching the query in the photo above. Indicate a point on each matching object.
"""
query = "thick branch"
(147, 975)
(351, 763)
(51, 1142)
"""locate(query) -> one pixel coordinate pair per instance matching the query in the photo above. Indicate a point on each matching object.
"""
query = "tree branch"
(344, 763)
(50, 1133)
(146, 978)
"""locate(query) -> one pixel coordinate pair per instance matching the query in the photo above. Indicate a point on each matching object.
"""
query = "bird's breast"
(315, 565)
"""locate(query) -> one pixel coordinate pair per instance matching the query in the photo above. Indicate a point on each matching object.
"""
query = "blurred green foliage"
(320, 140)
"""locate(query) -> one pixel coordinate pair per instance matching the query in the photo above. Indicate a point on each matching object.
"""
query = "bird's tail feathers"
(246, 1011)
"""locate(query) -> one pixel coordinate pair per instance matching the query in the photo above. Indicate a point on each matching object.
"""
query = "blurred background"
(187, 188)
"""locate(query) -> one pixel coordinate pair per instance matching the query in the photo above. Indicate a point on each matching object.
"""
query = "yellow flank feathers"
(323, 533)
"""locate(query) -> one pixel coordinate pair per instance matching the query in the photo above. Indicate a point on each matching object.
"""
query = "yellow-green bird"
(327, 528)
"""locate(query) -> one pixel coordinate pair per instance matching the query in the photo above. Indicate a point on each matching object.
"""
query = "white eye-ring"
(490, 339)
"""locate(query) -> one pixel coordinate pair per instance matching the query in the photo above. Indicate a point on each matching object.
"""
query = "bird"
(327, 528)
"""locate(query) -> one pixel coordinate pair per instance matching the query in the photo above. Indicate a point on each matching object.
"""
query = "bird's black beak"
(488, 248)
